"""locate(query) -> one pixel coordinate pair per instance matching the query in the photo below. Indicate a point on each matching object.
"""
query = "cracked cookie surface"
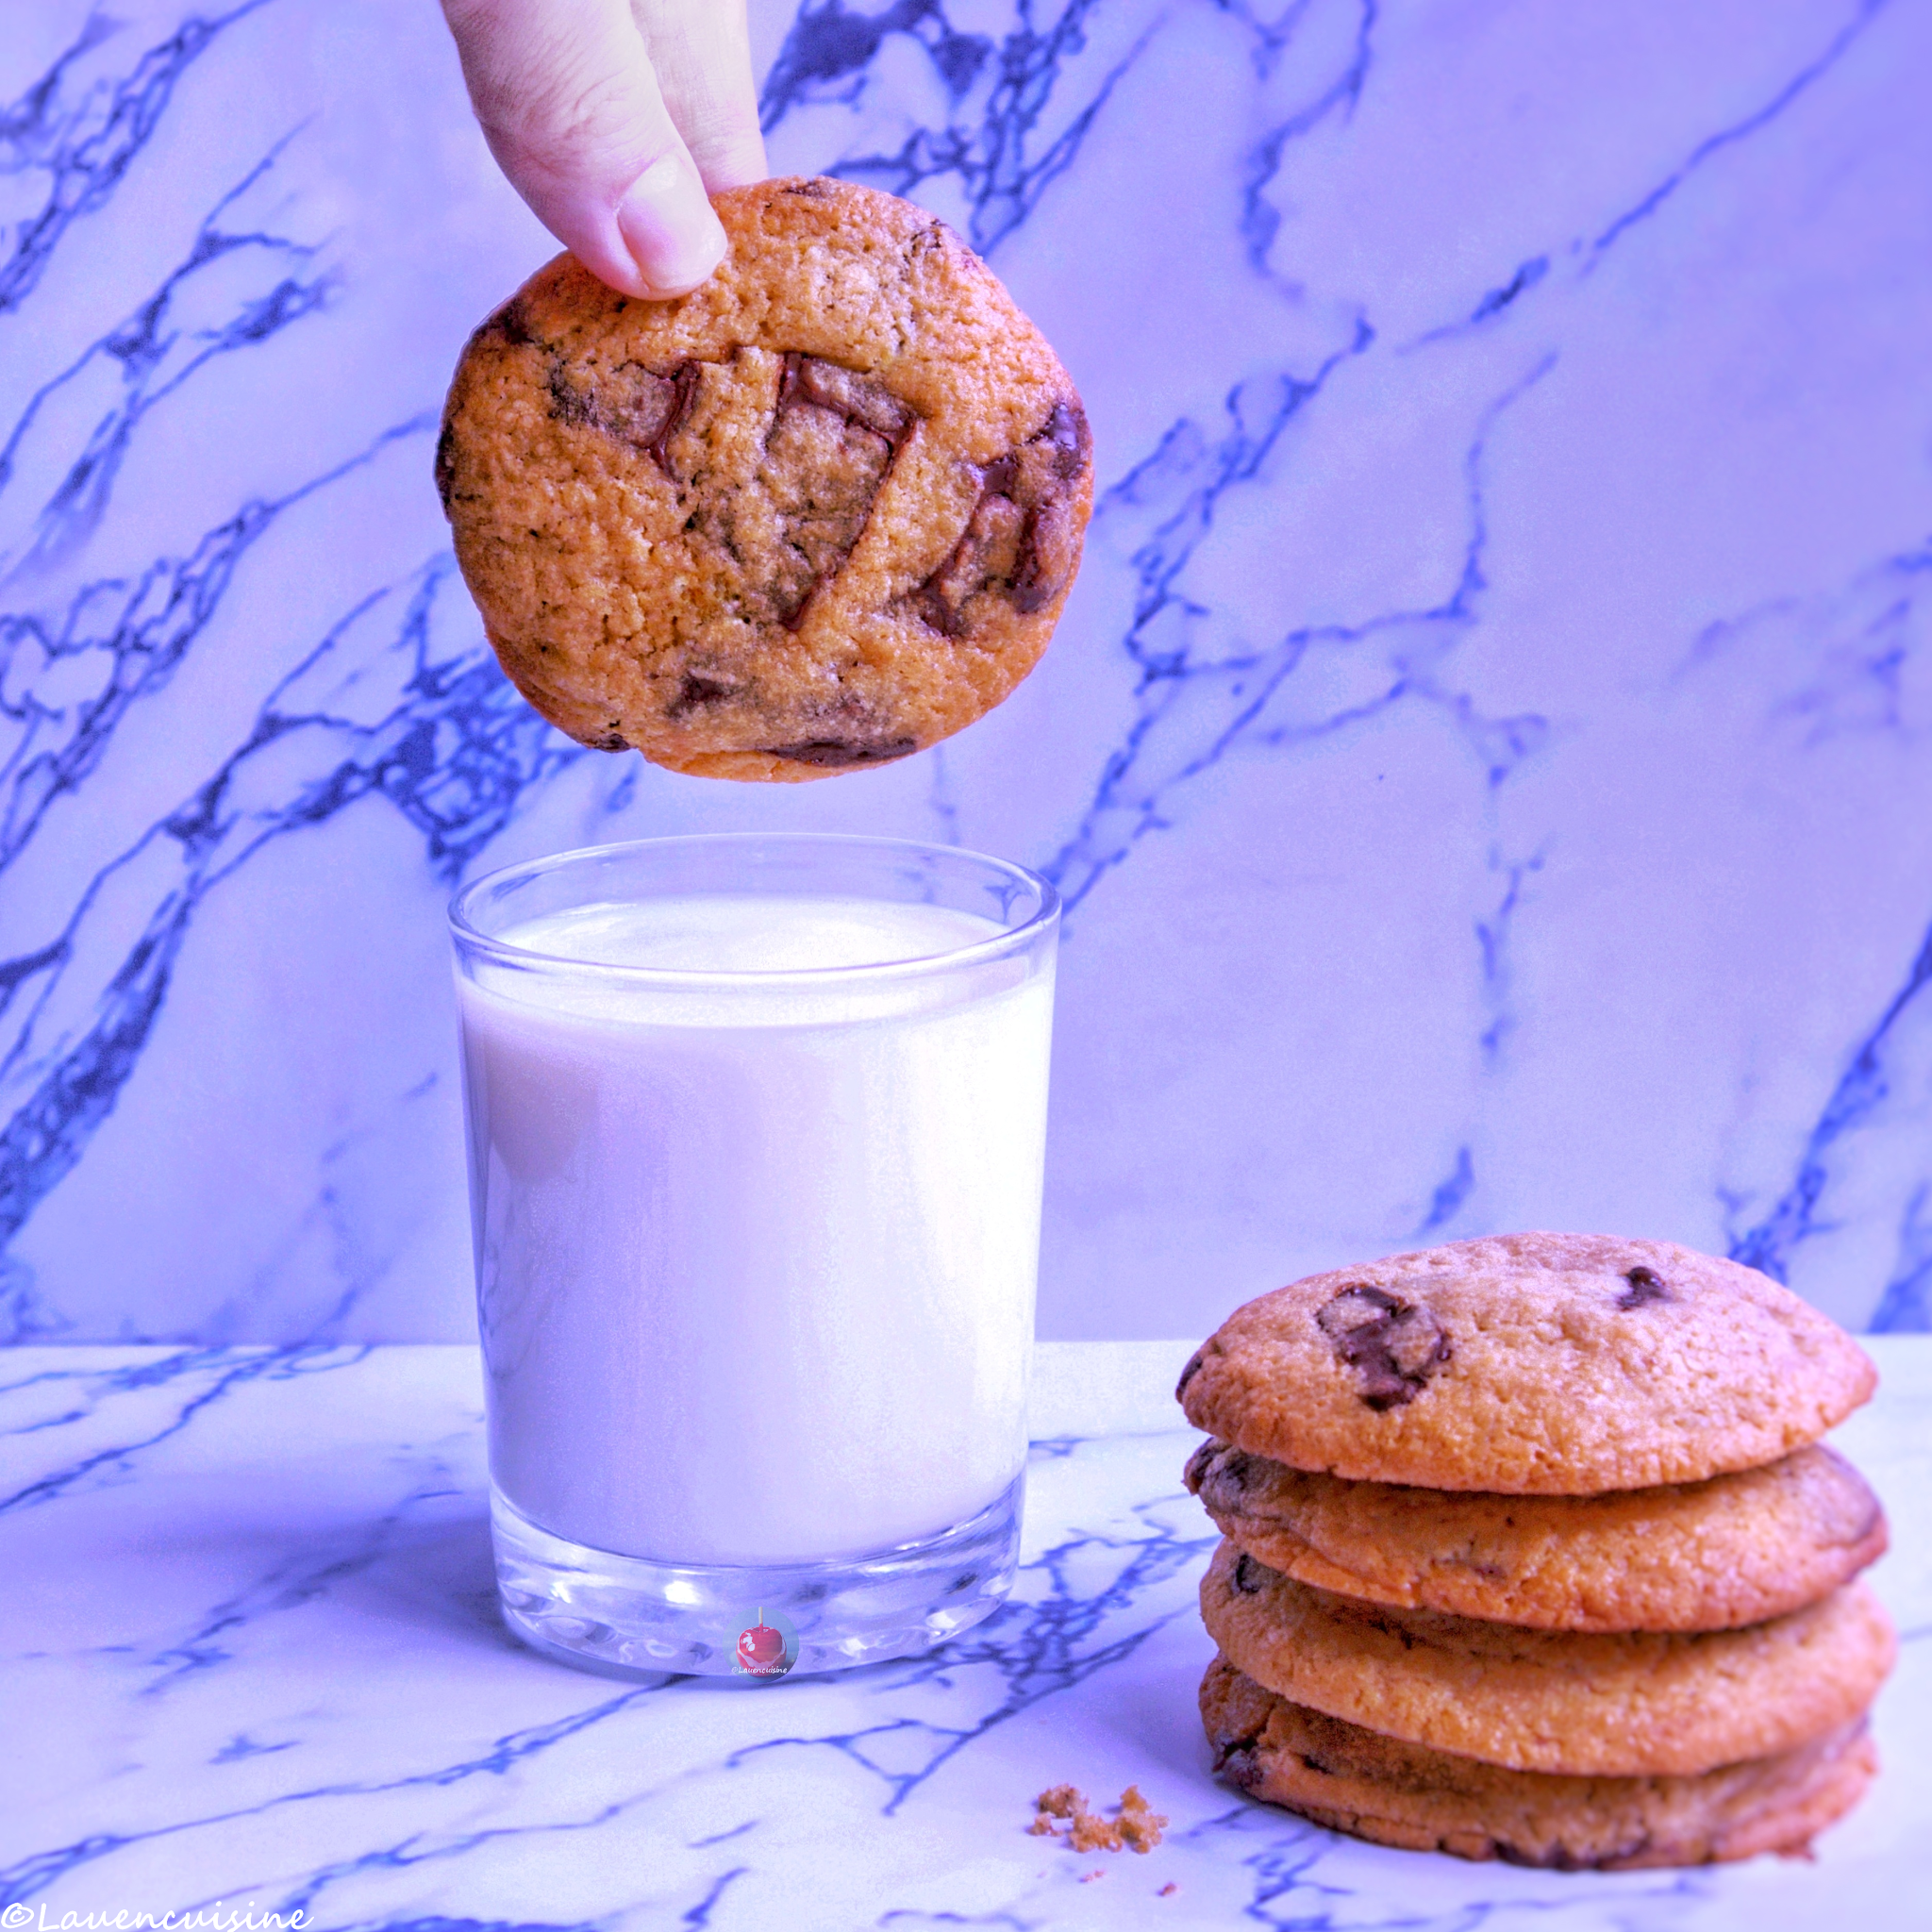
(818, 514)
(1582, 1704)
(1398, 1794)
(1527, 1364)
(1712, 1555)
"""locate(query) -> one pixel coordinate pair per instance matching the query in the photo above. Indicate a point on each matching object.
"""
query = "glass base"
(628, 1617)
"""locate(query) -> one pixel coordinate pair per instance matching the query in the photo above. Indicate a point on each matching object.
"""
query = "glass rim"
(470, 937)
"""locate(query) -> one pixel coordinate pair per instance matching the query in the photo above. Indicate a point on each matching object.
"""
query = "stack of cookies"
(1532, 1552)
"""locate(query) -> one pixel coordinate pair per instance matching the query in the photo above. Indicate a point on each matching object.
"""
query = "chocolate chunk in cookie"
(1022, 540)
(1646, 1285)
(1393, 1346)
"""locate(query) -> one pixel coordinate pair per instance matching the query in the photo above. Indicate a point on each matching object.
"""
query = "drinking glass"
(756, 1131)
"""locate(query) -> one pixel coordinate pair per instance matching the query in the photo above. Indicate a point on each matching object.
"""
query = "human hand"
(614, 119)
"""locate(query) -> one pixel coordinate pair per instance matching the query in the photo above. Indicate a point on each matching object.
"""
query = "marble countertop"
(253, 1660)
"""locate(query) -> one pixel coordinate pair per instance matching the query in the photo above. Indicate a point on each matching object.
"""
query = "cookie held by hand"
(820, 513)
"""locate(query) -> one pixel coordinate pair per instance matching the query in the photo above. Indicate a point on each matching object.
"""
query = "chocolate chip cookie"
(1527, 1364)
(1711, 1556)
(819, 513)
(1638, 1705)
(1399, 1794)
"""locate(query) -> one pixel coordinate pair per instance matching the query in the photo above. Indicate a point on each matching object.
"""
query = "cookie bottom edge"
(1407, 1796)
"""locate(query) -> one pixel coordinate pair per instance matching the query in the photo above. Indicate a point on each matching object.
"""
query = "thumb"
(572, 110)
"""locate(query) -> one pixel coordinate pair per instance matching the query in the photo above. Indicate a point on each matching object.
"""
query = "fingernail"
(668, 227)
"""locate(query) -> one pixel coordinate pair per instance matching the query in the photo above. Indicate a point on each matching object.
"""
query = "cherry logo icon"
(765, 1649)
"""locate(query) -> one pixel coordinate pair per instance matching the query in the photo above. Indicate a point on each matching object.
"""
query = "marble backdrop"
(1485, 757)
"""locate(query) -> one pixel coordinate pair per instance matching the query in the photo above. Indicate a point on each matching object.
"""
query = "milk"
(755, 1255)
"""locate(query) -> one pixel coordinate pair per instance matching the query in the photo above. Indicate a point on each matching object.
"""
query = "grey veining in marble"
(251, 1655)
(1485, 755)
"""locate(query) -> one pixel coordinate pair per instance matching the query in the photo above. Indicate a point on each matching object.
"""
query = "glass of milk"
(756, 1128)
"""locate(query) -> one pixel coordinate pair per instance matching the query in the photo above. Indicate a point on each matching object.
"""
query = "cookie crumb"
(1090, 1832)
(1137, 1828)
(1140, 1823)
(1088, 1878)
(1168, 1890)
